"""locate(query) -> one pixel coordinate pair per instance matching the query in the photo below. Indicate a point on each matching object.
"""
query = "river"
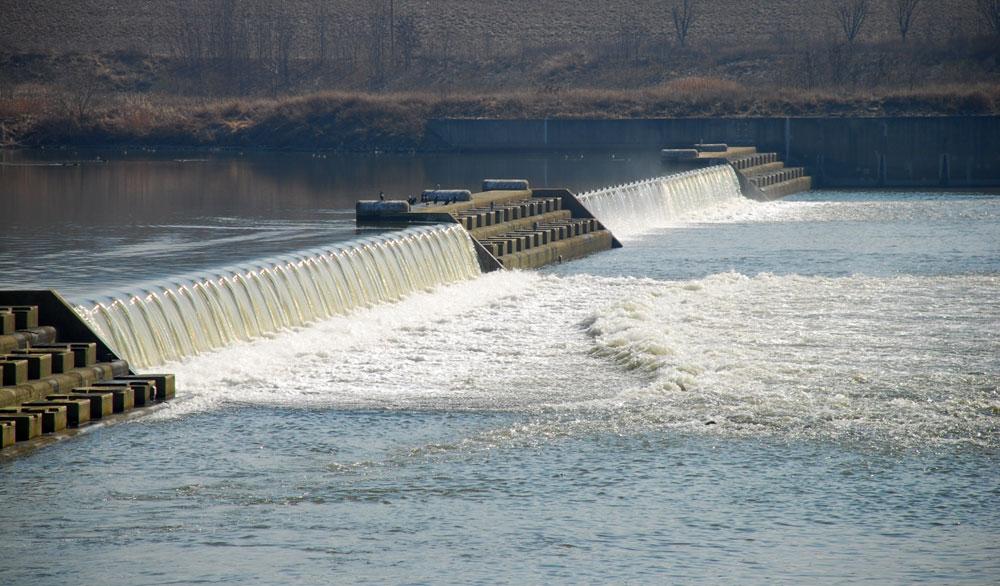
(797, 391)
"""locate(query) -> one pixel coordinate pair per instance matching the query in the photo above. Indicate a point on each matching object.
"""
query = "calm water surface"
(798, 391)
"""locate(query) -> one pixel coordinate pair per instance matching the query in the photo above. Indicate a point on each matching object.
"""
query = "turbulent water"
(794, 391)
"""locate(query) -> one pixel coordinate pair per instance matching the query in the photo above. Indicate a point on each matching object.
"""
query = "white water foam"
(794, 356)
(904, 357)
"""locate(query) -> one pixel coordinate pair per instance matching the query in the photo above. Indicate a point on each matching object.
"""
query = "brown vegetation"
(363, 75)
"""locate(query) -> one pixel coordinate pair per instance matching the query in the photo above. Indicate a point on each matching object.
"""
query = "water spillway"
(641, 205)
(507, 226)
(201, 313)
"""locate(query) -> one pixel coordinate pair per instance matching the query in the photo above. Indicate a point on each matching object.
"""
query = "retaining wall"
(961, 151)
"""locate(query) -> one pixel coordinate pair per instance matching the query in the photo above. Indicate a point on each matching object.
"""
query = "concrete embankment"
(837, 152)
(512, 226)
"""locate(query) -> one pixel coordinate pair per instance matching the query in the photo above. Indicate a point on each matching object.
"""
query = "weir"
(762, 176)
(512, 226)
(202, 313)
(646, 204)
(461, 235)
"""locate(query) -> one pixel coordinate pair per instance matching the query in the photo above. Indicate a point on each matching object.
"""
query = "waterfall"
(199, 313)
(642, 205)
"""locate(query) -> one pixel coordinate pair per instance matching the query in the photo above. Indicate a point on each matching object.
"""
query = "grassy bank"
(344, 75)
(363, 121)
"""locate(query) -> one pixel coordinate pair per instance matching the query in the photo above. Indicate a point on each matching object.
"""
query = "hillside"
(472, 27)
(178, 70)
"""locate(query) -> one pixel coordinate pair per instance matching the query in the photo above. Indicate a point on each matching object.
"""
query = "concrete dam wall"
(961, 151)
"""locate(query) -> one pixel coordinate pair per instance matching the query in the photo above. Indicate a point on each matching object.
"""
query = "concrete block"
(27, 425)
(60, 360)
(123, 398)
(8, 434)
(165, 383)
(77, 410)
(100, 404)
(144, 391)
(39, 365)
(15, 372)
(84, 353)
(25, 316)
(54, 417)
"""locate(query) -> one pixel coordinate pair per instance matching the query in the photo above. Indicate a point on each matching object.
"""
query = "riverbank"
(359, 122)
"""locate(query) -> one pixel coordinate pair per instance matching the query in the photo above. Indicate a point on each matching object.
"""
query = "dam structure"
(512, 225)
(57, 375)
(517, 227)
(65, 366)
(762, 176)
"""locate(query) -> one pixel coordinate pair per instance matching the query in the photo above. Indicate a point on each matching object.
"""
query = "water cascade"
(196, 314)
(642, 205)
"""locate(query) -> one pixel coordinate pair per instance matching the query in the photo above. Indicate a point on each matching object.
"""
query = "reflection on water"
(86, 222)
(115, 187)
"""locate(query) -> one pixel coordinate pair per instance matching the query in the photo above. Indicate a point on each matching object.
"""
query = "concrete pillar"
(85, 353)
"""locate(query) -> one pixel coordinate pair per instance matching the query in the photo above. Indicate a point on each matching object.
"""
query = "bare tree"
(229, 40)
(79, 90)
(263, 35)
(187, 38)
(378, 31)
(990, 11)
(905, 11)
(630, 36)
(285, 36)
(851, 14)
(684, 16)
(322, 24)
(408, 38)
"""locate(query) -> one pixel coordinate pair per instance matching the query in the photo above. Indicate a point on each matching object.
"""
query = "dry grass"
(358, 121)
(96, 73)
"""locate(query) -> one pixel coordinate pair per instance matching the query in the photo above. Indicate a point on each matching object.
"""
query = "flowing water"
(785, 392)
